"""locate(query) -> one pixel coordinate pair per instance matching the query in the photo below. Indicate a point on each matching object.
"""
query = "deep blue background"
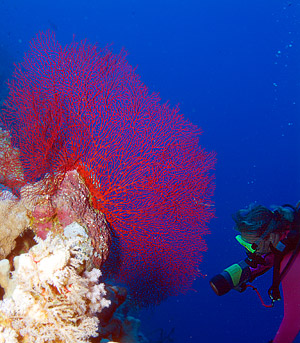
(233, 66)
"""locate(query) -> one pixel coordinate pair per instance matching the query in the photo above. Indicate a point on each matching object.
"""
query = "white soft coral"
(8, 335)
(47, 299)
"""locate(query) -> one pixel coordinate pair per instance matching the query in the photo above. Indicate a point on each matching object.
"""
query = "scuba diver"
(272, 240)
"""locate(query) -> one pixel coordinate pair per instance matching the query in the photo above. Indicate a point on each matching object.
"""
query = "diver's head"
(260, 226)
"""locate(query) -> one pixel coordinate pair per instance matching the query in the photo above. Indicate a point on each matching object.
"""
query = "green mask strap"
(245, 244)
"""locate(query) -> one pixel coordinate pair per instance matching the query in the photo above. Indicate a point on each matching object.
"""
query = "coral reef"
(52, 292)
(54, 295)
(48, 298)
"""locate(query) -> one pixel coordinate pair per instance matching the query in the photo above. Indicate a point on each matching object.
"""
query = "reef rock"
(53, 203)
(13, 222)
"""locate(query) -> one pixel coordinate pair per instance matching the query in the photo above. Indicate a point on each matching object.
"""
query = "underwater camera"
(238, 274)
(232, 277)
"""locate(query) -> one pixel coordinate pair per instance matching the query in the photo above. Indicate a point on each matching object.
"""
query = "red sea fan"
(83, 108)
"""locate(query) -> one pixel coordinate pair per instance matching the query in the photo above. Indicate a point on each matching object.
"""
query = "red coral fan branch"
(84, 108)
(11, 172)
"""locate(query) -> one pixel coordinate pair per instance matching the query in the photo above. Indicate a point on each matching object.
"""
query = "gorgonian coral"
(79, 107)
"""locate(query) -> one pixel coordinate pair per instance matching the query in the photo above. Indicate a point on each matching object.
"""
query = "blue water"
(233, 66)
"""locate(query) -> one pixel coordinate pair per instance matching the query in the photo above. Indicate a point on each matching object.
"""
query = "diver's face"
(264, 244)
